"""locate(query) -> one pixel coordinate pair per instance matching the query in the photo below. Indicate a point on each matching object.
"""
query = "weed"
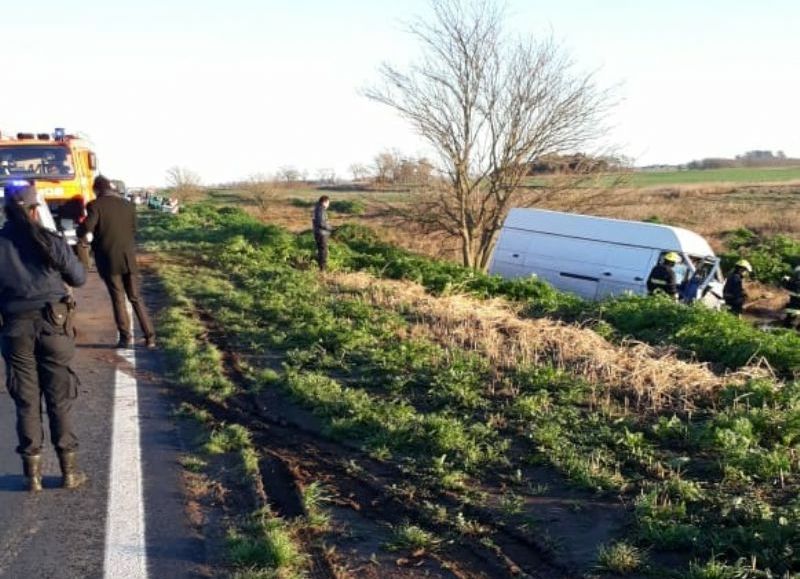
(412, 538)
(193, 463)
(265, 543)
(622, 558)
(228, 438)
(512, 504)
(315, 496)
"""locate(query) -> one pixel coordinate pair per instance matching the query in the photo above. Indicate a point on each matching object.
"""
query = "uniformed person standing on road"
(37, 333)
(322, 230)
(663, 279)
(734, 292)
(112, 222)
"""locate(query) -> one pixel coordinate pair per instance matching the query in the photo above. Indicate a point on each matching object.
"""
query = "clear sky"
(230, 88)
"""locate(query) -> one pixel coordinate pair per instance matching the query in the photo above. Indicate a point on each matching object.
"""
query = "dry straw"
(649, 378)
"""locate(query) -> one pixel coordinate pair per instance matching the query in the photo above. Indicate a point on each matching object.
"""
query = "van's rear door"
(626, 270)
(509, 254)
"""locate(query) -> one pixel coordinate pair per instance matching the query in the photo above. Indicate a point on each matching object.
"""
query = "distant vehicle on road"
(595, 257)
(135, 196)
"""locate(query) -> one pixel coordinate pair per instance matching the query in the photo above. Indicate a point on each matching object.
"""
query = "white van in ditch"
(595, 257)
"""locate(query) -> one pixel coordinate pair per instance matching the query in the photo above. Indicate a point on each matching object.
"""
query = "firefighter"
(37, 334)
(663, 278)
(734, 292)
(792, 310)
(322, 230)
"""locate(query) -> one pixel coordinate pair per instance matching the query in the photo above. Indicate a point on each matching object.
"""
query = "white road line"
(126, 552)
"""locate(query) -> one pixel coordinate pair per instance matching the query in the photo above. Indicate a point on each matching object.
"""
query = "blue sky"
(237, 87)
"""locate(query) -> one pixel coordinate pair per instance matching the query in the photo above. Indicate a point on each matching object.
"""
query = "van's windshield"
(705, 267)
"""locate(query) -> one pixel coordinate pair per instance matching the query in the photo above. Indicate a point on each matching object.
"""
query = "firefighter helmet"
(672, 257)
(745, 265)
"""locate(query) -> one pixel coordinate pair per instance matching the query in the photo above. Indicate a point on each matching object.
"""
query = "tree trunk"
(466, 250)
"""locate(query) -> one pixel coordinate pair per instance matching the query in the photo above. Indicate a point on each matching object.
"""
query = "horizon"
(248, 88)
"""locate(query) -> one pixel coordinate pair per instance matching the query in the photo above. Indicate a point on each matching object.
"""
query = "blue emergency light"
(13, 188)
(59, 134)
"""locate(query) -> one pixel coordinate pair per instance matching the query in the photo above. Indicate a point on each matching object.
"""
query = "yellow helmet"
(672, 257)
(744, 264)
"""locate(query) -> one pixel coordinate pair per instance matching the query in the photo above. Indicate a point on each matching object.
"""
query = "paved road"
(63, 534)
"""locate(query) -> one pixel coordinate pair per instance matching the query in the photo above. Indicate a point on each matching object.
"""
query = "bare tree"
(261, 190)
(488, 104)
(359, 171)
(385, 165)
(326, 176)
(289, 174)
(185, 182)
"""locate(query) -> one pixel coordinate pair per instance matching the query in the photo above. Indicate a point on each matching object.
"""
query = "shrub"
(348, 206)
(771, 257)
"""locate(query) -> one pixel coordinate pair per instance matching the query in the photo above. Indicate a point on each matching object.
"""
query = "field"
(759, 222)
(737, 175)
(405, 417)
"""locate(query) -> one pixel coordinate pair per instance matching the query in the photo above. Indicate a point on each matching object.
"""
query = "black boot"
(72, 477)
(32, 469)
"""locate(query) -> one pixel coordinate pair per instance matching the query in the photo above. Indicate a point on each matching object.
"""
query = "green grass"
(620, 558)
(408, 537)
(772, 258)
(711, 336)
(265, 545)
(644, 179)
(721, 481)
(738, 175)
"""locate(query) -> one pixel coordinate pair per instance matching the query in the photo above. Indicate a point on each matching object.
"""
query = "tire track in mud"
(294, 450)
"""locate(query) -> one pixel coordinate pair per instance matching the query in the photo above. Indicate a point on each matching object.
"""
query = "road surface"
(129, 521)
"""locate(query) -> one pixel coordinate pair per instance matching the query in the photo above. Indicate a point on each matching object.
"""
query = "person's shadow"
(105, 346)
(15, 483)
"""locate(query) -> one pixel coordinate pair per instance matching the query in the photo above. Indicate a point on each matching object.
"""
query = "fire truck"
(62, 166)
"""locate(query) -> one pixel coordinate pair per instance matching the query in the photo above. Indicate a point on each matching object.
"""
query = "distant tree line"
(756, 158)
(577, 163)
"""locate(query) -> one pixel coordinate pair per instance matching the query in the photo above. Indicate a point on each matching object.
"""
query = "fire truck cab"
(63, 168)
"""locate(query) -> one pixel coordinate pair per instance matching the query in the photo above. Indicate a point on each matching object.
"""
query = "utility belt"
(60, 314)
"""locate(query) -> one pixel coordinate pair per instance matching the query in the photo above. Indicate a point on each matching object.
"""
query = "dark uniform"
(663, 279)
(112, 221)
(322, 231)
(733, 292)
(37, 340)
(792, 285)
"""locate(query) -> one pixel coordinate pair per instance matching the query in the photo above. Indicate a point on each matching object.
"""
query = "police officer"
(734, 292)
(322, 230)
(663, 279)
(792, 311)
(37, 336)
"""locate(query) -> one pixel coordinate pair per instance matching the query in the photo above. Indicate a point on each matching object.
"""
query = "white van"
(595, 257)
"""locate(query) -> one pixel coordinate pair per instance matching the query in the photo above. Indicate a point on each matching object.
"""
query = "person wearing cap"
(37, 336)
(112, 222)
(322, 230)
(663, 279)
(734, 292)
(792, 310)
